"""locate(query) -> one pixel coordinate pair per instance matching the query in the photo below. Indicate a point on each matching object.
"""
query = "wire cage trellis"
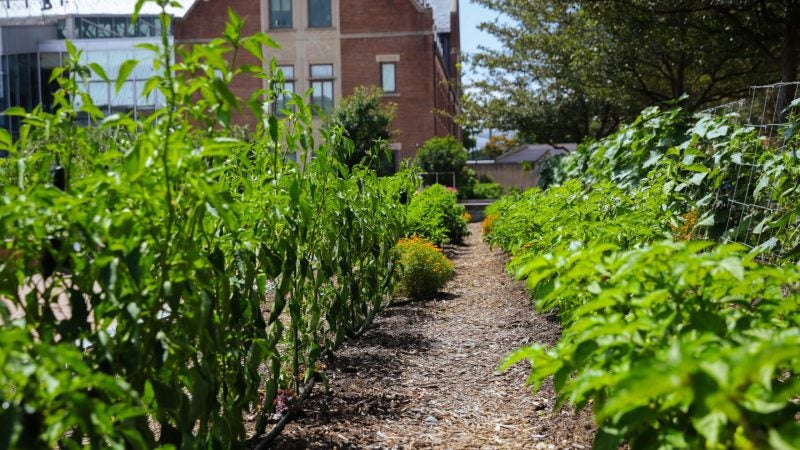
(746, 202)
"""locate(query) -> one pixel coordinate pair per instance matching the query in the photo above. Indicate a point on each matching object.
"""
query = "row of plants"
(434, 218)
(674, 342)
(160, 284)
(444, 159)
(434, 214)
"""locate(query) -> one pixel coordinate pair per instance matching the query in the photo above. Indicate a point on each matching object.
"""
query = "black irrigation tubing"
(297, 407)
(276, 429)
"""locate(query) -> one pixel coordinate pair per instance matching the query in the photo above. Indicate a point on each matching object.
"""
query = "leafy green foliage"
(673, 344)
(627, 156)
(366, 120)
(424, 269)
(701, 163)
(487, 190)
(44, 404)
(573, 216)
(447, 155)
(657, 339)
(435, 215)
(442, 155)
(199, 273)
(598, 65)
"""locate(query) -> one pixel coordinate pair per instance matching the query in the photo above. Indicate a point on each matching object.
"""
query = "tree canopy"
(446, 154)
(366, 120)
(572, 69)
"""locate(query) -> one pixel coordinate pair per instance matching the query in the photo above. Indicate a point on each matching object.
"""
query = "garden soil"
(425, 375)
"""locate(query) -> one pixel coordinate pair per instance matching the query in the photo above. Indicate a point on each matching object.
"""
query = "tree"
(468, 138)
(571, 69)
(446, 154)
(367, 120)
(499, 144)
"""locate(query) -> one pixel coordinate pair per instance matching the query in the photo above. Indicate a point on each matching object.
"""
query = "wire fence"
(446, 179)
(745, 202)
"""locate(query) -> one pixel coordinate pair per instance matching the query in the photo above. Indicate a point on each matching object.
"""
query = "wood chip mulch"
(425, 375)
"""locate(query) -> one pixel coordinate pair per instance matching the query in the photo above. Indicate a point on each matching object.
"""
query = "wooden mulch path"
(424, 376)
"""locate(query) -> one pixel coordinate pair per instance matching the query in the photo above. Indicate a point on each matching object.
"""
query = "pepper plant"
(185, 275)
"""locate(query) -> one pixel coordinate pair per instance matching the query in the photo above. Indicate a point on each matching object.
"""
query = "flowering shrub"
(488, 223)
(424, 269)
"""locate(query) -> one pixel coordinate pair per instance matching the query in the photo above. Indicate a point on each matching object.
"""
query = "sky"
(471, 37)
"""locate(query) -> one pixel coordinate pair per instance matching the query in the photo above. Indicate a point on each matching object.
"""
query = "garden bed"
(425, 374)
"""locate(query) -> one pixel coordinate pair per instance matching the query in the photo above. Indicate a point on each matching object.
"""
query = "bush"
(442, 155)
(435, 215)
(367, 121)
(447, 155)
(423, 268)
(488, 223)
(487, 190)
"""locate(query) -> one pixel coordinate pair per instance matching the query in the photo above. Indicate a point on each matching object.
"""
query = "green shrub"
(367, 121)
(487, 190)
(435, 215)
(448, 155)
(423, 268)
(672, 344)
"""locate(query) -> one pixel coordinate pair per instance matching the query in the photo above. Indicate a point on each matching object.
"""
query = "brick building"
(409, 48)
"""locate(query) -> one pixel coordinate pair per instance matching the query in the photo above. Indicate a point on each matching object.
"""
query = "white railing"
(40, 4)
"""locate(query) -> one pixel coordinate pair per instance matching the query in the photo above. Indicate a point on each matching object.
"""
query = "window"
(322, 84)
(99, 92)
(116, 27)
(288, 86)
(319, 13)
(280, 14)
(322, 71)
(389, 77)
(61, 27)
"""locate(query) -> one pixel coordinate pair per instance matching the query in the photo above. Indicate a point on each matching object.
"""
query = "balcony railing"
(43, 5)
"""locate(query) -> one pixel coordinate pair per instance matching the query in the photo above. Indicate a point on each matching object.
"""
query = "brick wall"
(414, 98)
(368, 28)
(397, 27)
(371, 16)
(206, 21)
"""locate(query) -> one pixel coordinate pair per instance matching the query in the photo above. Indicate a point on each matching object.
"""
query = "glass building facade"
(20, 85)
(116, 27)
(106, 41)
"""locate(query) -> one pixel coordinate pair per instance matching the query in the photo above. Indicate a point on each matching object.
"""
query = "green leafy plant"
(657, 338)
(366, 120)
(673, 344)
(424, 269)
(487, 190)
(435, 215)
(446, 154)
(200, 273)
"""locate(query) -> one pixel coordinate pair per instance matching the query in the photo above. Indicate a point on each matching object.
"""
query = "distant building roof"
(35, 10)
(535, 152)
